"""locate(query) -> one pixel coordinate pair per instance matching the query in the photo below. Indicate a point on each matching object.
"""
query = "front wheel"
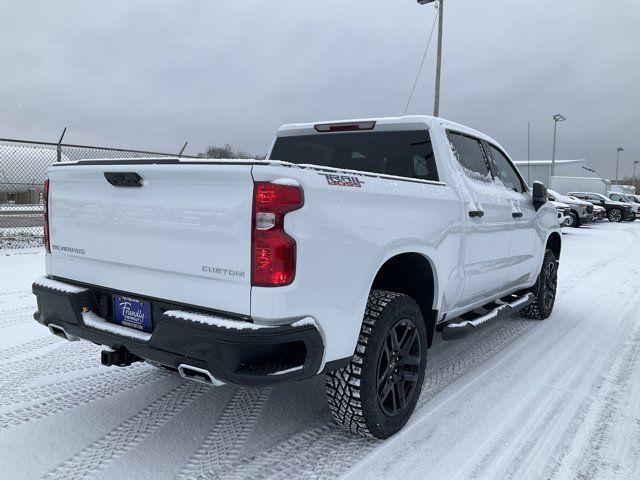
(376, 393)
(615, 215)
(544, 290)
(572, 220)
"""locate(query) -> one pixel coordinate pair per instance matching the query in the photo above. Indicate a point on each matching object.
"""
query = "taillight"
(45, 197)
(273, 252)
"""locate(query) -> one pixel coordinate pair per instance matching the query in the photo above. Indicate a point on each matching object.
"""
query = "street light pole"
(557, 118)
(436, 100)
(634, 172)
(620, 149)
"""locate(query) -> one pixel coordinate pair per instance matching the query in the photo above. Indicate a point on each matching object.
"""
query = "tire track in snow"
(101, 388)
(599, 393)
(15, 292)
(21, 310)
(468, 355)
(326, 450)
(22, 396)
(7, 354)
(225, 441)
(525, 429)
(345, 450)
(67, 357)
(584, 454)
(17, 316)
(511, 425)
(309, 454)
(125, 437)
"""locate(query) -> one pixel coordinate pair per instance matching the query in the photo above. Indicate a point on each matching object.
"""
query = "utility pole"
(436, 102)
(634, 172)
(620, 149)
(528, 153)
(440, 7)
(556, 118)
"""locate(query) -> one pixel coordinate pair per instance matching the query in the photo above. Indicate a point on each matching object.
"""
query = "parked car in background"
(580, 211)
(616, 211)
(564, 212)
(621, 197)
(599, 213)
(634, 197)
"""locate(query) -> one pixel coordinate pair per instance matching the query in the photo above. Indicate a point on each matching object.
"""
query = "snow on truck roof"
(407, 122)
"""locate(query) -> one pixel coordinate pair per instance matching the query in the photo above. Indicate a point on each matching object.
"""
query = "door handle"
(516, 214)
(476, 213)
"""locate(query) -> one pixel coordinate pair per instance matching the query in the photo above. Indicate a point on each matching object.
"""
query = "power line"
(424, 55)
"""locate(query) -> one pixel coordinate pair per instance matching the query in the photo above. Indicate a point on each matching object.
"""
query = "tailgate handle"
(123, 179)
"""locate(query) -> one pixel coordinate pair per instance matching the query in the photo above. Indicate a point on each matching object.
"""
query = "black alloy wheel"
(549, 284)
(615, 215)
(398, 367)
(544, 290)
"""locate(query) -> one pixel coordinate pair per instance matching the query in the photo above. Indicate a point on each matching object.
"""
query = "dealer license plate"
(131, 312)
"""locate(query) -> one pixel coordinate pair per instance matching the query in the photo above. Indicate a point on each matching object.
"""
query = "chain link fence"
(23, 167)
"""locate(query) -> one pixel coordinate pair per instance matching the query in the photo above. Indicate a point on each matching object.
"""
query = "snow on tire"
(375, 394)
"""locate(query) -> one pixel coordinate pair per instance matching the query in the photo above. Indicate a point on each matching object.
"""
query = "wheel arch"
(412, 274)
(554, 243)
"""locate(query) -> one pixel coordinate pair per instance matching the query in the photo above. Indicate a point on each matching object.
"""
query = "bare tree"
(227, 151)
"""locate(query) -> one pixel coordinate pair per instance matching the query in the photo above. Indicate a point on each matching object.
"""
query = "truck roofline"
(406, 122)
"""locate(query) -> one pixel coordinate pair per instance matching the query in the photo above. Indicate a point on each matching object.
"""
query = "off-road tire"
(615, 215)
(541, 308)
(353, 391)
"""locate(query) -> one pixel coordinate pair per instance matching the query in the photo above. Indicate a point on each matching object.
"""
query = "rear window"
(404, 154)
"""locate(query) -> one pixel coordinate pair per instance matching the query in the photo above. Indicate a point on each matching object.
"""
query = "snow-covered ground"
(516, 399)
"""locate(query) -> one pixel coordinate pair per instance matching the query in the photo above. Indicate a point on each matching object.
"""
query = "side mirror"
(539, 195)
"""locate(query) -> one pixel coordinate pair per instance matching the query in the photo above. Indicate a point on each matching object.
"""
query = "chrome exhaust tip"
(58, 331)
(200, 375)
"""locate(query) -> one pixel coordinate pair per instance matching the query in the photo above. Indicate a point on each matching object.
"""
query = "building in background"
(540, 170)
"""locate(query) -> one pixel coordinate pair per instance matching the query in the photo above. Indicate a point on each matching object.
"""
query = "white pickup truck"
(340, 254)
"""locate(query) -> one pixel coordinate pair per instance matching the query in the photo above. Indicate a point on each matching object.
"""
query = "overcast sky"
(151, 74)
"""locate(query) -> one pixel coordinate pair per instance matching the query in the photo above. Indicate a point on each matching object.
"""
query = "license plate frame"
(132, 313)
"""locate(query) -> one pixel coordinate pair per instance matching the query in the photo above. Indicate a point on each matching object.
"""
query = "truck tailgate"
(183, 235)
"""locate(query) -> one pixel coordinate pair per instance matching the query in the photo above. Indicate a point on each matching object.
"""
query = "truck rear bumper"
(233, 351)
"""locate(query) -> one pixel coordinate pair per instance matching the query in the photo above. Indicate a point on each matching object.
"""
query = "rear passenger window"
(505, 171)
(471, 156)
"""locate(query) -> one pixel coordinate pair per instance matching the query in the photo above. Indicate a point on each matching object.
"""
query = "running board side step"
(454, 331)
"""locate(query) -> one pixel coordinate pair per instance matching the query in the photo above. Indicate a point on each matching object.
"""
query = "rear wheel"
(544, 290)
(615, 215)
(376, 393)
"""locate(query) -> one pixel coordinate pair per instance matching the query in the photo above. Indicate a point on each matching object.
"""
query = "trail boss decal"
(342, 180)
